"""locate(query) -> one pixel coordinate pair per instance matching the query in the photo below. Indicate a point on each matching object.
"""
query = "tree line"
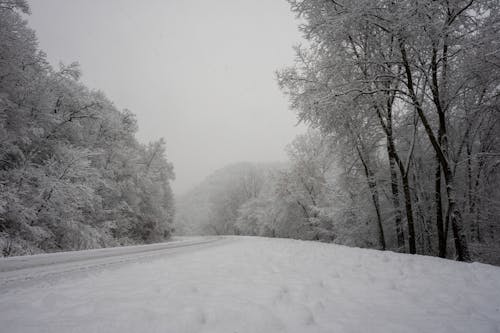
(409, 92)
(402, 98)
(72, 174)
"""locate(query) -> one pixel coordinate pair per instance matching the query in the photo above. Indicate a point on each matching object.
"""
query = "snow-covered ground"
(244, 284)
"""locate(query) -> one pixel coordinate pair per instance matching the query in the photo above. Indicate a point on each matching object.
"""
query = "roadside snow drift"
(244, 284)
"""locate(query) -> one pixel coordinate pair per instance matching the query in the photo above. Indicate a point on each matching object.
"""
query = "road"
(28, 270)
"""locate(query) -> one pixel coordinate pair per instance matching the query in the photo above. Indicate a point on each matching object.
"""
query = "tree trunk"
(439, 213)
(453, 214)
(409, 214)
(400, 238)
(372, 185)
(454, 217)
(374, 192)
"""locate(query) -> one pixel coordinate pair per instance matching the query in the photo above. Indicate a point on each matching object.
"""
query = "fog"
(198, 73)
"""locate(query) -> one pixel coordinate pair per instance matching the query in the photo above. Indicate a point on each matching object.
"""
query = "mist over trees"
(212, 206)
(403, 154)
(300, 199)
(72, 174)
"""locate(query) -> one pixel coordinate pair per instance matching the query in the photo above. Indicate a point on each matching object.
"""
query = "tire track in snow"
(16, 271)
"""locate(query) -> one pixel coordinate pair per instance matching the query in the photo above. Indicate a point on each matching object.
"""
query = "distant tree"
(215, 205)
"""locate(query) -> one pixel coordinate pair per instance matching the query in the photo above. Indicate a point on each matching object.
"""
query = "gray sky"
(198, 73)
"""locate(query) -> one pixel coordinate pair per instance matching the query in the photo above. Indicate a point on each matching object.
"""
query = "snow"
(251, 284)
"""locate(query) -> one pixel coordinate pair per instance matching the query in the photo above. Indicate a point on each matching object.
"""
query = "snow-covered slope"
(263, 285)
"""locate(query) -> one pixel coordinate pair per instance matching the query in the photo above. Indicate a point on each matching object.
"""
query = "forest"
(402, 101)
(402, 152)
(72, 174)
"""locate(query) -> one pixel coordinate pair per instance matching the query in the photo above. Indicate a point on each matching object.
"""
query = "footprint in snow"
(335, 275)
(283, 295)
(195, 315)
(319, 306)
(309, 319)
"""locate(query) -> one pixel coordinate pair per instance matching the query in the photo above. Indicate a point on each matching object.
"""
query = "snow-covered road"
(19, 271)
(250, 284)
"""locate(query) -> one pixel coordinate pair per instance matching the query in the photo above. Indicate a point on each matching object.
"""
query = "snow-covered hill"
(244, 284)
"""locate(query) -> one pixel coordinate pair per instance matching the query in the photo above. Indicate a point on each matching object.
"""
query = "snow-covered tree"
(412, 77)
(72, 174)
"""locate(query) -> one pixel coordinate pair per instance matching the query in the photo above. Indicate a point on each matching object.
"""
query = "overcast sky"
(198, 73)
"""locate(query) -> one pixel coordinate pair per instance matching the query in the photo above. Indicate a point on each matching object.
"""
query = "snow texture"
(250, 284)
